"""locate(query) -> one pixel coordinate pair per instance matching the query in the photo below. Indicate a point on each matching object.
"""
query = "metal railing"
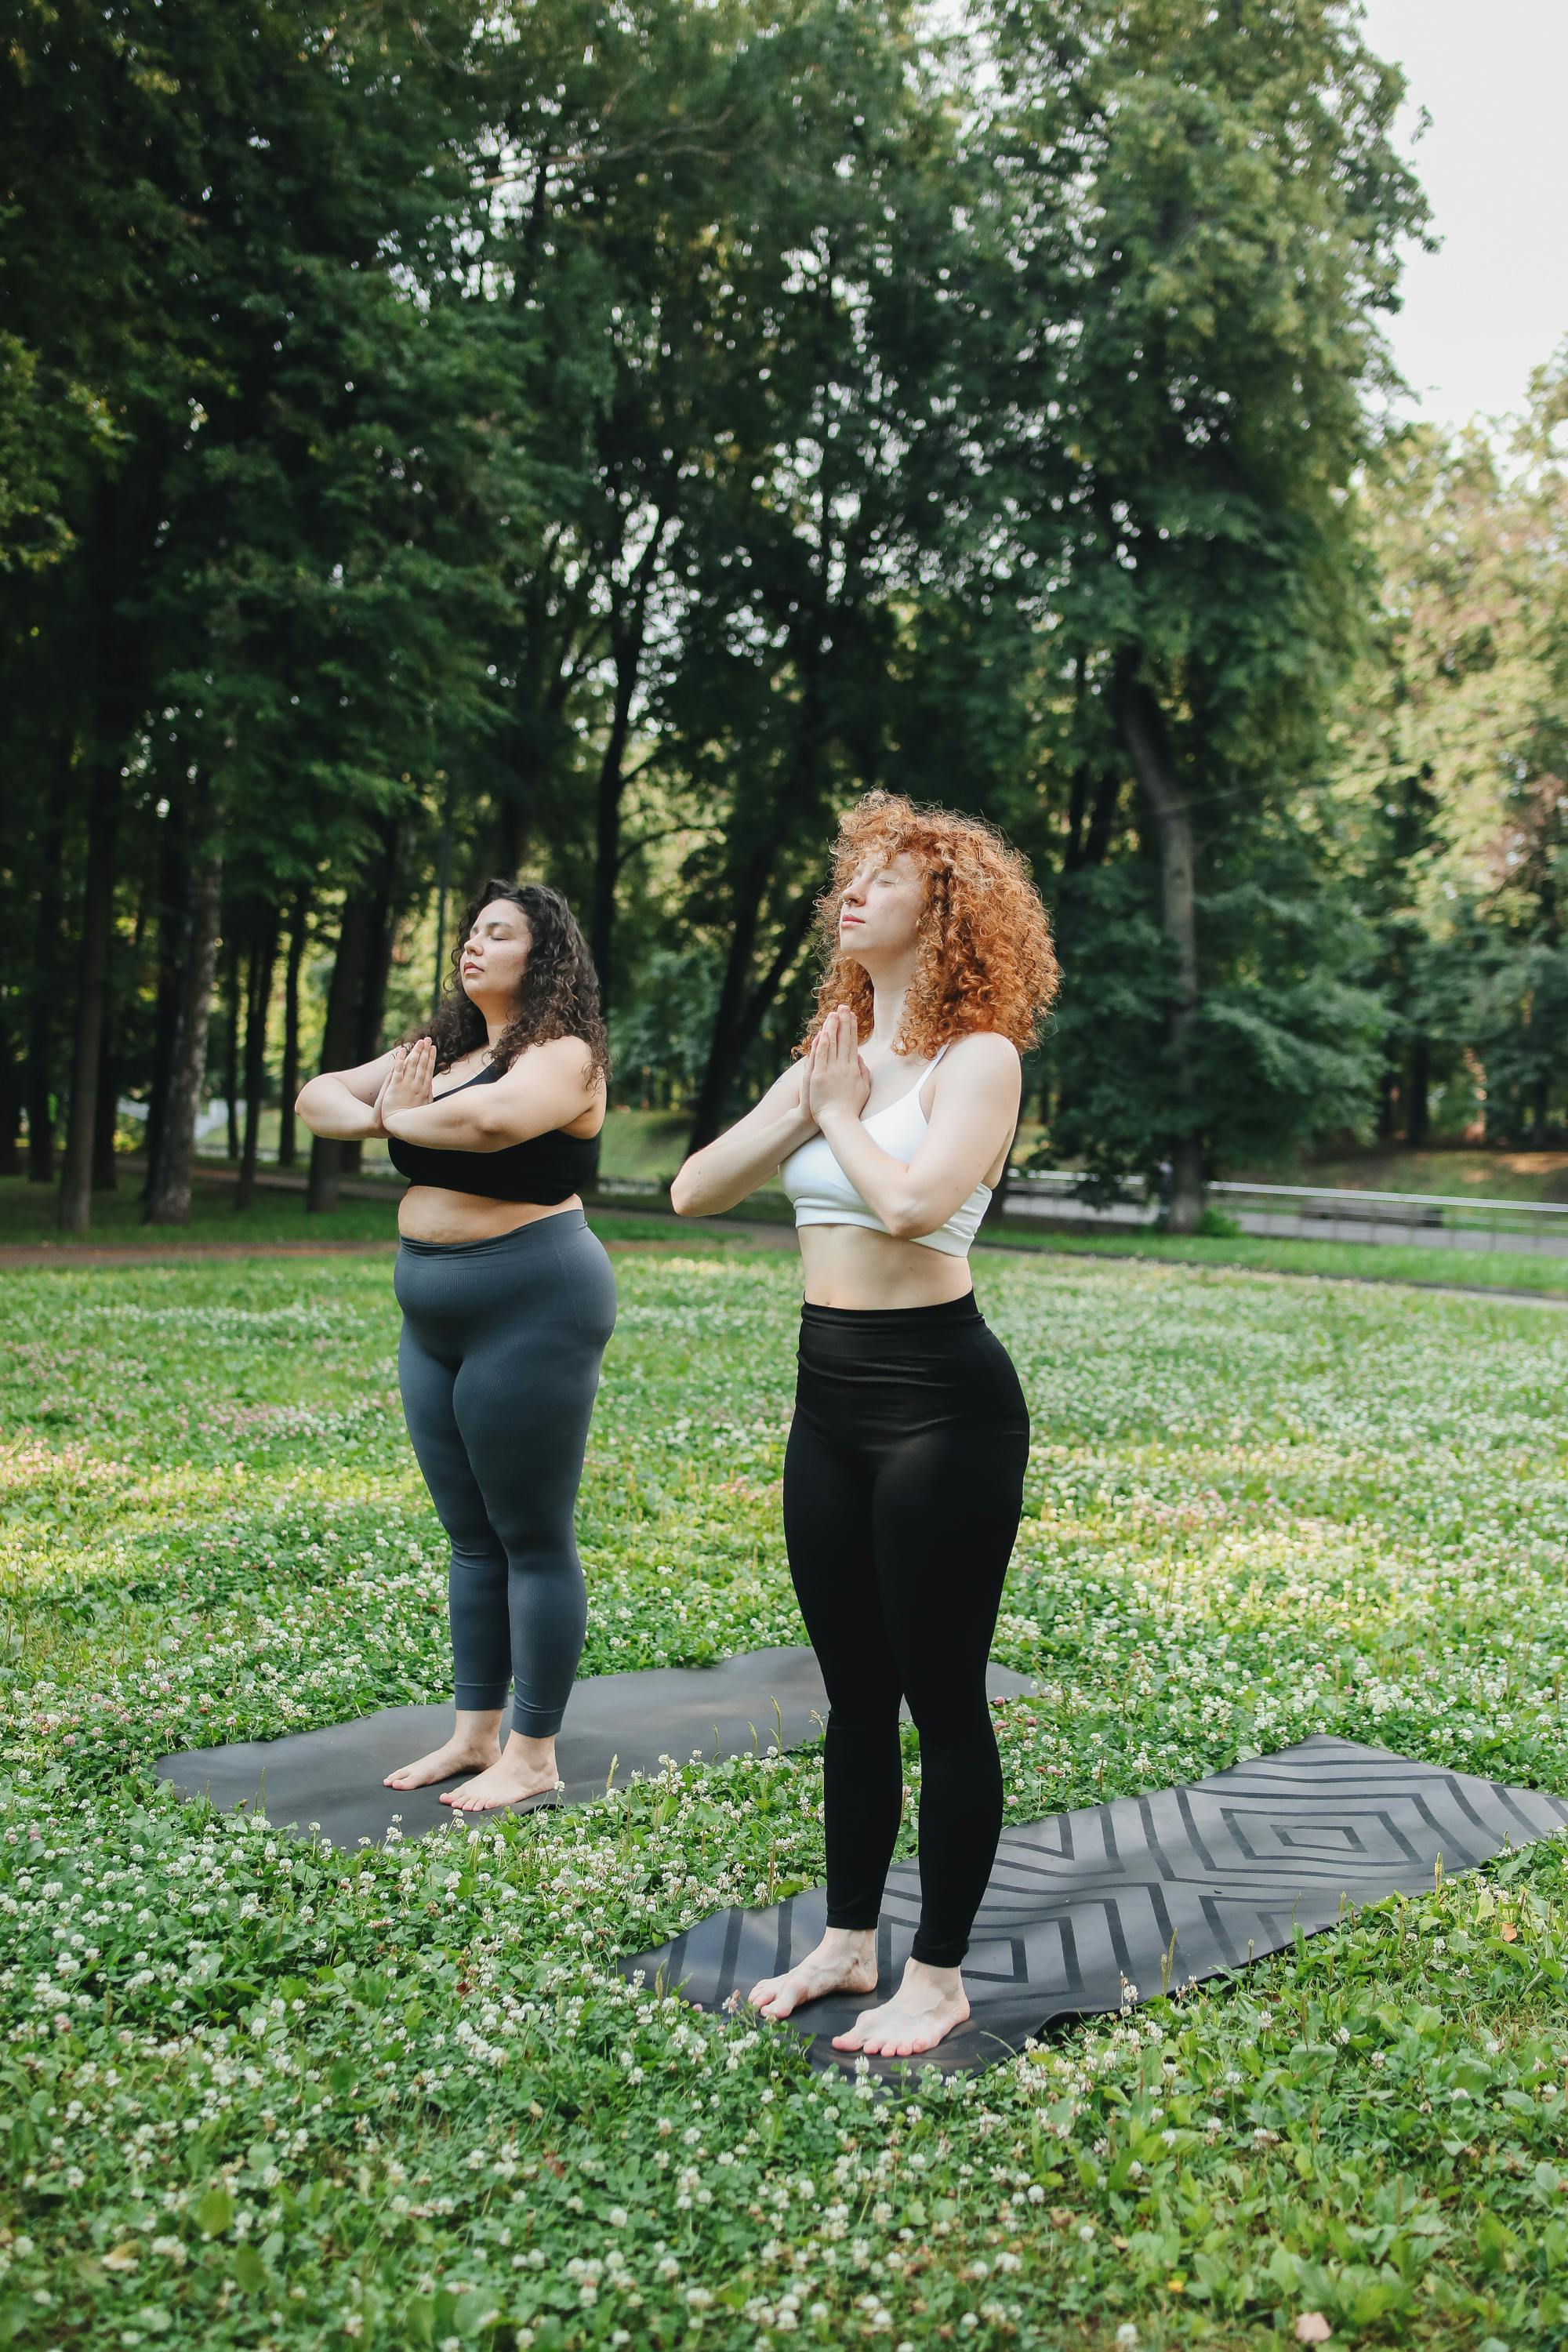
(1317, 1212)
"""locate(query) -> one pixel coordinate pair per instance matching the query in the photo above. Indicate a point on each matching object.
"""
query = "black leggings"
(902, 1487)
(499, 1366)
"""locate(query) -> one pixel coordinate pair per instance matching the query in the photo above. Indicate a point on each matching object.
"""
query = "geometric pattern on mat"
(1150, 1891)
(332, 1775)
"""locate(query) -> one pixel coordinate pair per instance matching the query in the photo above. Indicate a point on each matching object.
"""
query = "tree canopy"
(600, 443)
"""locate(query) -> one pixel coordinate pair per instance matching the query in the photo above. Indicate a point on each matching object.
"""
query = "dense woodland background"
(596, 443)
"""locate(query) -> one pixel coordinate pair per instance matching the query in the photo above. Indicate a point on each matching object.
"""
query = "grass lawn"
(1359, 1260)
(260, 2092)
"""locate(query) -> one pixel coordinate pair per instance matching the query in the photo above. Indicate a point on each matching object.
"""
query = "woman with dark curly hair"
(508, 1302)
(904, 1468)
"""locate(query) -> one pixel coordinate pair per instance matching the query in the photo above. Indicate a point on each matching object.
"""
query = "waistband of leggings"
(520, 1237)
(964, 1310)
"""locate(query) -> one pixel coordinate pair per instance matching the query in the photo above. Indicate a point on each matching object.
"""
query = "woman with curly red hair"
(508, 1301)
(904, 1469)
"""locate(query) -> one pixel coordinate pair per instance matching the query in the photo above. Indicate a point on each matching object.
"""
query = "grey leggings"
(499, 1365)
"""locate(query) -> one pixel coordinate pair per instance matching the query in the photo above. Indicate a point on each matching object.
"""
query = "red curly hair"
(984, 953)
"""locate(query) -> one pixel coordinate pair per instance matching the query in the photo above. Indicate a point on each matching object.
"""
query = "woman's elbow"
(681, 1192)
(912, 1218)
(492, 1129)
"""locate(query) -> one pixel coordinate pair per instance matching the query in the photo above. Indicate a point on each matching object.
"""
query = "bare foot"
(464, 1752)
(845, 1961)
(508, 1780)
(928, 2004)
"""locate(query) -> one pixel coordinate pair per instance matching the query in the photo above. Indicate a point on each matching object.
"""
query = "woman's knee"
(952, 1724)
(870, 1714)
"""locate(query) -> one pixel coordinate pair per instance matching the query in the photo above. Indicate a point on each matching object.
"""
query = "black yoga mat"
(333, 1776)
(1151, 1892)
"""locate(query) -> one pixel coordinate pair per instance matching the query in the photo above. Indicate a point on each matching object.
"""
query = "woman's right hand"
(807, 1115)
(407, 1085)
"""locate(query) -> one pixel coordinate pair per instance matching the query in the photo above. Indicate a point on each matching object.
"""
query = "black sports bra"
(542, 1168)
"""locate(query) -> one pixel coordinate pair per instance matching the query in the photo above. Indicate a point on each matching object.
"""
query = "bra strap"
(936, 1057)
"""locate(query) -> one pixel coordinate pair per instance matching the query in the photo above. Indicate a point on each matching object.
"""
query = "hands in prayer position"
(407, 1085)
(835, 1076)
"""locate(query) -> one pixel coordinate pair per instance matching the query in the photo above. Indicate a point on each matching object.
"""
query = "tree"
(1209, 211)
(1450, 814)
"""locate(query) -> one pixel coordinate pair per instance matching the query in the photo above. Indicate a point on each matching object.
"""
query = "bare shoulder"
(985, 1056)
(784, 1092)
(550, 1056)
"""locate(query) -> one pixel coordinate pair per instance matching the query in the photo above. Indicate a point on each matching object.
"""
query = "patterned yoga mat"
(1146, 1892)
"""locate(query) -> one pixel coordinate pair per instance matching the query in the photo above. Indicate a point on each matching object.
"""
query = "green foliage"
(1215, 198)
(1450, 818)
(1286, 1044)
(604, 444)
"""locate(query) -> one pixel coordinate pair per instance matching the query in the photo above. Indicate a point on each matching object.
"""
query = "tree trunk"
(510, 835)
(628, 632)
(10, 1117)
(1419, 1121)
(41, 1012)
(105, 1174)
(117, 549)
(607, 835)
(173, 929)
(1142, 729)
(298, 931)
(741, 1011)
(257, 999)
(169, 1200)
(75, 1211)
(1102, 818)
(343, 999)
(231, 1041)
(371, 1008)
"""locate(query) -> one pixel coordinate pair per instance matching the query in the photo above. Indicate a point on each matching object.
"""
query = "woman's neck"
(495, 1026)
(888, 1011)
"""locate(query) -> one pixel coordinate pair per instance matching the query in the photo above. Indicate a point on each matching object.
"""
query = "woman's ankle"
(859, 1943)
(535, 1754)
(930, 1977)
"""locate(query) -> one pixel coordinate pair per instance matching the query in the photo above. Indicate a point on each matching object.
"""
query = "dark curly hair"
(560, 992)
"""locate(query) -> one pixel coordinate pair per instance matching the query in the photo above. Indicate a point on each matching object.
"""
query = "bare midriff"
(855, 1265)
(429, 1212)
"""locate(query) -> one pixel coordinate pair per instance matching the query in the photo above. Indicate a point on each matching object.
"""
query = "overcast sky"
(1492, 304)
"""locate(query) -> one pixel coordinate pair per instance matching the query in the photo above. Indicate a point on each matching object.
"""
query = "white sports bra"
(823, 1194)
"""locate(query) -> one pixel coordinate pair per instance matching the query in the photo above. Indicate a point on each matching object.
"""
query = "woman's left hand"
(837, 1078)
(408, 1084)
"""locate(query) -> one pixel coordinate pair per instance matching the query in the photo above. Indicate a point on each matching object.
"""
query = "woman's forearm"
(329, 1108)
(726, 1171)
(883, 1182)
(444, 1125)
